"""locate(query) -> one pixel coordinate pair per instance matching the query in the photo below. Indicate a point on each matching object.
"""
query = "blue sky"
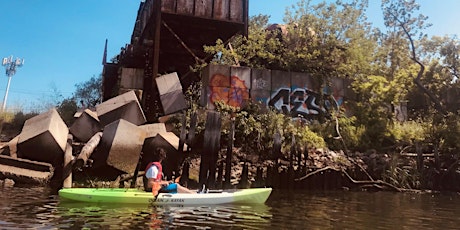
(62, 42)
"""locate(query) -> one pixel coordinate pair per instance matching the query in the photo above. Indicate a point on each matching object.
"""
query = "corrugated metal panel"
(221, 9)
(236, 10)
(225, 10)
(203, 8)
(168, 6)
(185, 7)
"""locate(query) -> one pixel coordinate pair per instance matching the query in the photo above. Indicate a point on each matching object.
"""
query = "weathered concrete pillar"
(119, 148)
(67, 171)
(43, 138)
(125, 106)
(85, 126)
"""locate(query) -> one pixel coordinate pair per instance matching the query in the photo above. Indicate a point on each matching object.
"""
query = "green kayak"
(136, 196)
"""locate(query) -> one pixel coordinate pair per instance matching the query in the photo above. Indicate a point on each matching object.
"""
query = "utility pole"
(10, 66)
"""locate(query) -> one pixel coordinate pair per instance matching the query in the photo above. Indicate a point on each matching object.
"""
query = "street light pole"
(10, 66)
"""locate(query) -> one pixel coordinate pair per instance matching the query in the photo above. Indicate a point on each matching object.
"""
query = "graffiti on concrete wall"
(302, 103)
(297, 94)
(234, 94)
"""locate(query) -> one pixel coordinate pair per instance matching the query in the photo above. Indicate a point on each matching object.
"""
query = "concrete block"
(261, 79)
(280, 80)
(13, 147)
(173, 102)
(120, 146)
(240, 75)
(238, 94)
(125, 106)
(170, 143)
(168, 83)
(132, 78)
(43, 138)
(24, 171)
(303, 81)
(217, 94)
(151, 130)
(85, 126)
(216, 76)
(261, 96)
(138, 92)
(167, 140)
(171, 139)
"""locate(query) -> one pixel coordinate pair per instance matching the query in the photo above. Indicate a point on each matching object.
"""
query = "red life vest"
(160, 170)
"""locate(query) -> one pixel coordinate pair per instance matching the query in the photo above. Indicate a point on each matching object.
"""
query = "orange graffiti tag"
(232, 91)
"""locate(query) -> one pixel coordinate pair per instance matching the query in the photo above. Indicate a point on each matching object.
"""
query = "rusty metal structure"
(169, 36)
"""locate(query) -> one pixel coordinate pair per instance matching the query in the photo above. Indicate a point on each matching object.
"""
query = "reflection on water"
(22, 207)
(363, 210)
(142, 217)
(40, 208)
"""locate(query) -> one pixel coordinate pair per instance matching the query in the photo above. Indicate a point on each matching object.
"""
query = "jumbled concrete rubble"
(111, 141)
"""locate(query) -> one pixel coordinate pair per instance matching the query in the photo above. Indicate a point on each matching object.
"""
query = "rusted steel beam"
(157, 36)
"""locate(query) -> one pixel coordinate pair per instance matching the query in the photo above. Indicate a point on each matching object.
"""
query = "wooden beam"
(157, 36)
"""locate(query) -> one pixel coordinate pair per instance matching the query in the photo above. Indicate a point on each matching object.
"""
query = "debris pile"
(108, 142)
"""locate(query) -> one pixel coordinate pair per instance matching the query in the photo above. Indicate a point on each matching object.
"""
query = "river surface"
(40, 208)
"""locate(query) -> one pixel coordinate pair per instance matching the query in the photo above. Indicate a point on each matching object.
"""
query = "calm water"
(40, 208)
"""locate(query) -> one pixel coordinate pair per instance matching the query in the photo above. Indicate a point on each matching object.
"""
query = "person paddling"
(154, 176)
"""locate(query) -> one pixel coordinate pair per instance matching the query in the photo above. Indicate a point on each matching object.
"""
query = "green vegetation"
(388, 66)
(86, 93)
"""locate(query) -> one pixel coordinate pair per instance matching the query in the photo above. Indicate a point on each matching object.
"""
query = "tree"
(67, 109)
(446, 52)
(89, 93)
(398, 15)
(258, 50)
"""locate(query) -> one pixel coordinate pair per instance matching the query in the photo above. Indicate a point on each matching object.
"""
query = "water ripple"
(40, 208)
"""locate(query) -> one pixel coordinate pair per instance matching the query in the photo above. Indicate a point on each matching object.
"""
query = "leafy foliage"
(402, 174)
(67, 110)
(260, 125)
(89, 93)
